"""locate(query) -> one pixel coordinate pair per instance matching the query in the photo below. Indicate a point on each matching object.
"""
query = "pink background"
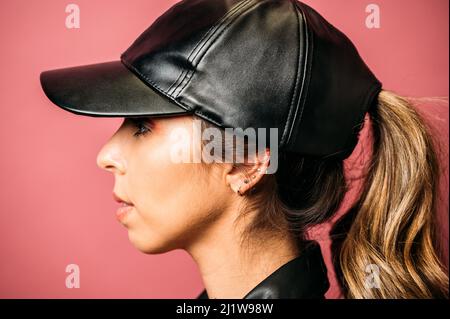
(56, 206)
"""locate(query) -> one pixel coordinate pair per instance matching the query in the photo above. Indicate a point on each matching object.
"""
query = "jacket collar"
(303, 277)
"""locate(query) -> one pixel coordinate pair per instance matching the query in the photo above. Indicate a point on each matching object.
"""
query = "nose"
(111, 159)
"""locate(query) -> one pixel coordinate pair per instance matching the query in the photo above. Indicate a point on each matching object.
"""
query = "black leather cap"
(236, 63)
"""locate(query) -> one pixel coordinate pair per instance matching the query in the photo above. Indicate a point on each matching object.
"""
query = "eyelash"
(142, 127)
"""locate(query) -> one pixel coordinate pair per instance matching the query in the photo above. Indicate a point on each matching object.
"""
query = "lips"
(118, 199)
(124, 209)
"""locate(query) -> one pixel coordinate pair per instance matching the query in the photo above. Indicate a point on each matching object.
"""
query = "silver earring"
(239, 190)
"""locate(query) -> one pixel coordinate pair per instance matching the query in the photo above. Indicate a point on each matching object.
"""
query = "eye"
(143, 126)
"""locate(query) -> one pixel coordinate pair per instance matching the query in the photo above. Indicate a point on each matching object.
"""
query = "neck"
(229, 268)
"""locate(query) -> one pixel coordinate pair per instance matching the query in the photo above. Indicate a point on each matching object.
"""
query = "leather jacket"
(303, 277)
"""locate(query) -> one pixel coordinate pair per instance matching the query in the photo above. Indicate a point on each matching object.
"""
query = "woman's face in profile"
(171, 204)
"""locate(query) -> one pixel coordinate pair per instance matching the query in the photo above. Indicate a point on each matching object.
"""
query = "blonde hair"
(394, 227)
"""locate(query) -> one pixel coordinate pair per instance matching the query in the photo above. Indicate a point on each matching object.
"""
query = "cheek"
(169, 197)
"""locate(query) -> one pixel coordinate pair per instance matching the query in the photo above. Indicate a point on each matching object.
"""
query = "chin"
(149, 245)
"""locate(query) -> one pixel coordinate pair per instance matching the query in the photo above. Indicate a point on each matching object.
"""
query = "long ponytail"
(393, 232)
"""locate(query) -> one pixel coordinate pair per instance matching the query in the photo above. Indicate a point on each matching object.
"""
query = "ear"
(244, 177)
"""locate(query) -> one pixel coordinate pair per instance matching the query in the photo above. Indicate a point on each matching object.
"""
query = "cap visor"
(106, 89)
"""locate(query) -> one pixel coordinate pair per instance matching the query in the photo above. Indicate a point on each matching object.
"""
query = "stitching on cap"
(294, 93)
(306, 77)
(208, 34)
(189, 74)
(236, 16)
(201, 114)
(155, 86)
(240, 4)
(143, 76)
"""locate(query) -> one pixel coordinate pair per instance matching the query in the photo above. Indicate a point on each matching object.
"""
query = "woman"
(241, 204)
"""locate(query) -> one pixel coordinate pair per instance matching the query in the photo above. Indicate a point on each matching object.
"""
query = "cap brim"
(106, 89)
